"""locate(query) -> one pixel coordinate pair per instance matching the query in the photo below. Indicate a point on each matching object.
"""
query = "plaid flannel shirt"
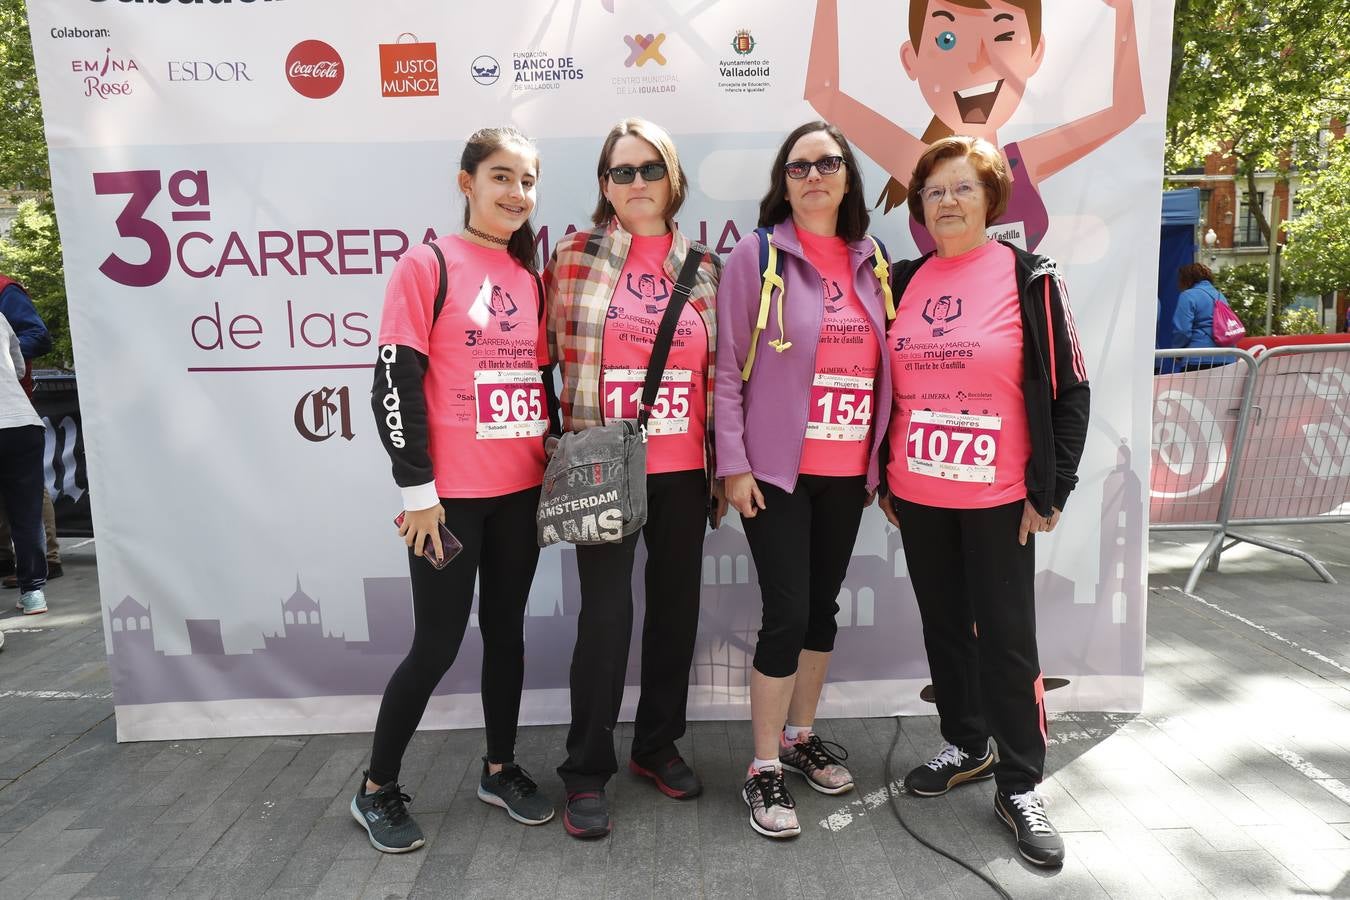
(579, 283)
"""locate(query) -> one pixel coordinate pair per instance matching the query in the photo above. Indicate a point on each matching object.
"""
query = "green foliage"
(1300, 320)
(1319, 239)
(1257, 79)
(23, 148)
(32, 254)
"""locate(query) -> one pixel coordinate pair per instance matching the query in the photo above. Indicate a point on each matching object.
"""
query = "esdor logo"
(314, 69)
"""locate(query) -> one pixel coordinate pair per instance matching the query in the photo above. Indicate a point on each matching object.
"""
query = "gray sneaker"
(515, 791)
(385, 818)
(33, 603)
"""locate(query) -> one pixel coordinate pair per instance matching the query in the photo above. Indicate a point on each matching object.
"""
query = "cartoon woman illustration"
(646, 291)
(972, 60)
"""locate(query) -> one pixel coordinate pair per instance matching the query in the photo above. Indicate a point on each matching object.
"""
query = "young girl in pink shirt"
(462, 407)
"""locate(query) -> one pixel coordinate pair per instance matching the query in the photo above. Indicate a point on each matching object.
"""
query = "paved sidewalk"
(1234, 782)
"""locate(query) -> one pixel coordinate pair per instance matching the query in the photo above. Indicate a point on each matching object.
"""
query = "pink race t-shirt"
(675, 429)
(958, 430)
(839, 422)
(486, 413)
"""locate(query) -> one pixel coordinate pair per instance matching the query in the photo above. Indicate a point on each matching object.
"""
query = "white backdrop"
(232, 196)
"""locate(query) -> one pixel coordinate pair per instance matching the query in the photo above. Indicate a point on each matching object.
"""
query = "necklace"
(484, 236)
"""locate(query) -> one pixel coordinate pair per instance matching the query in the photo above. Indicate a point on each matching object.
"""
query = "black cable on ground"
(893, 795)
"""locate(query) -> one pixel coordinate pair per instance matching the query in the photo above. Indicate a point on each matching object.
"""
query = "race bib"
(953, 446)
(622, 391)
(510, 404)
(841, 408)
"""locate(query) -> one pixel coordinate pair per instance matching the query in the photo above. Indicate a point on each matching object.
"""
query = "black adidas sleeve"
(400, 408)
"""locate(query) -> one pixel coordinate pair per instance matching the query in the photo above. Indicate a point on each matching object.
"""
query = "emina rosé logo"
(314, 69)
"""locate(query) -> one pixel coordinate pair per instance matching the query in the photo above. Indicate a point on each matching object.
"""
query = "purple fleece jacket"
(761, 424)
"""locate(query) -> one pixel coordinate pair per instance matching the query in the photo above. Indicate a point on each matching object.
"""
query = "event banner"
(235, 180)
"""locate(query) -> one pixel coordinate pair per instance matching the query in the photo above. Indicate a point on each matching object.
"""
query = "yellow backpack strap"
(883, 273)
(769, 279)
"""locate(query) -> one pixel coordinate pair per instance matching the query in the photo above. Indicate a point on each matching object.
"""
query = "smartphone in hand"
(450, 545)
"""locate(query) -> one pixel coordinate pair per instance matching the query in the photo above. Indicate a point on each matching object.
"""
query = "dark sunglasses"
(826, 165)
(625, 174)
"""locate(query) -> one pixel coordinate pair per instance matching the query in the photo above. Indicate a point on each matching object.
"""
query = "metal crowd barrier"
(1243, 439)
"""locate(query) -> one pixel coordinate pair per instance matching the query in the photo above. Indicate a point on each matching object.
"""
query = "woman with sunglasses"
(607, 292)
(801, 409)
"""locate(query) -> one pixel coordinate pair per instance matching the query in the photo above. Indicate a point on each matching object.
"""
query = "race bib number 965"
(953, 446)
(510, 405)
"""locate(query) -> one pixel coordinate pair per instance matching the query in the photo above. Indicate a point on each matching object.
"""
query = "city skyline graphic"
(879, 636)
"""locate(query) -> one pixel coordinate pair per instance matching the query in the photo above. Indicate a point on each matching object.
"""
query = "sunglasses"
(650, 172)
(800, 168)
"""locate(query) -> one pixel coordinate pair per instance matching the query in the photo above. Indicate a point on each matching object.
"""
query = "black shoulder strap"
(656, 367)
(442, 284)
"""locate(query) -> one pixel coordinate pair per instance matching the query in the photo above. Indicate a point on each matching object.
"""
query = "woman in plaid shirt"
(607, 290)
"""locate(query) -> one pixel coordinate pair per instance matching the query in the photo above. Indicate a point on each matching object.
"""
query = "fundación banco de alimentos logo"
(485, 70)
(314, 69)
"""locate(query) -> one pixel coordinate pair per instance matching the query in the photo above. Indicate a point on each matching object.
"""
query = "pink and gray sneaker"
(820, 762)
(773, 813)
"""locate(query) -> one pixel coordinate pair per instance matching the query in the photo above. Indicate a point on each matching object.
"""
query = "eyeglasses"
(800, 168)
(650, 172)
(962, 191)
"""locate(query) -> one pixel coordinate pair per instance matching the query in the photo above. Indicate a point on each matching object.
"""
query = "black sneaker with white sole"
(1037, 839)
(384, 815)
(950, 767)
(515, 791)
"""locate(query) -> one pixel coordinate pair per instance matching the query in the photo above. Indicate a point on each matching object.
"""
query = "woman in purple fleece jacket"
(801, 407)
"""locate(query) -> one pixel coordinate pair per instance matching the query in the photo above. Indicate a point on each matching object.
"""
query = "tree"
(32, 252)
(1245, 288)
(1257, 81)
(1319, 239)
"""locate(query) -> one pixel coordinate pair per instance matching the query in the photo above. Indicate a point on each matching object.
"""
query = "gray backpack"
(595, 485)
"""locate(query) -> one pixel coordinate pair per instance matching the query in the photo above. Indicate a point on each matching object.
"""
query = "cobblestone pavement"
(1233, 782)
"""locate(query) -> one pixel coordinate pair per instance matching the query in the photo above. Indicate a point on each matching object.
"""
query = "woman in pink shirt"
(987, 427)
(462, 409)
(798, 433)
(608, 289)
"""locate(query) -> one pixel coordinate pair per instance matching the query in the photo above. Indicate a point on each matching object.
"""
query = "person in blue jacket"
(1193, 322)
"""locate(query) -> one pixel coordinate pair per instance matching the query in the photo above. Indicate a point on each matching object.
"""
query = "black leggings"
(498, 535)
(802, 543)
(976, 592)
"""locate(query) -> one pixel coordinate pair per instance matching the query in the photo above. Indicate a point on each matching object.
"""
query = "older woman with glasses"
(802, 406)
(987, 426)
(607, 292)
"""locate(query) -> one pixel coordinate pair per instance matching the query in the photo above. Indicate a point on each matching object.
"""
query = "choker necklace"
(491, 238)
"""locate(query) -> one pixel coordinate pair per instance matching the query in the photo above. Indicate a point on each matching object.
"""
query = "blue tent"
(1180, 214)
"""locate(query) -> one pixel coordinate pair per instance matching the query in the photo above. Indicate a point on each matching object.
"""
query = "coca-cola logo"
(314, 69)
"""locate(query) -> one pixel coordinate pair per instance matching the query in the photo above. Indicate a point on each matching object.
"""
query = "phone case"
(449, 544)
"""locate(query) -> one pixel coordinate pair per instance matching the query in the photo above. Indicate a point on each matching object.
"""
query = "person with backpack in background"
(34, 341)
(1203, 318)
(21, 443)
(802, 404)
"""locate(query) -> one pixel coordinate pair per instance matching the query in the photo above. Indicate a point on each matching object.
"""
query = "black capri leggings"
(498, 535)
(802, 543)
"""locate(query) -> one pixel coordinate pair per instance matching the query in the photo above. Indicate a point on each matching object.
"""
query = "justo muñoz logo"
(314, 69)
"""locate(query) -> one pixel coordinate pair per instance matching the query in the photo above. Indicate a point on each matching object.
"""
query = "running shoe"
(384, 816)
(950, 767)
(820, 762)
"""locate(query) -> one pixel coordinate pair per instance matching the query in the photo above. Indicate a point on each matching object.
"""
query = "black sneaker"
(587, 814)
(820, 762)
(951, 766)
(1037, 839)
(385, 818)
(673, 778)
(514, 791)
(773, 812)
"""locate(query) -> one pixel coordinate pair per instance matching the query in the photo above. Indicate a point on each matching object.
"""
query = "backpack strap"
(442, 285)
(882, 269)
(771, 276)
